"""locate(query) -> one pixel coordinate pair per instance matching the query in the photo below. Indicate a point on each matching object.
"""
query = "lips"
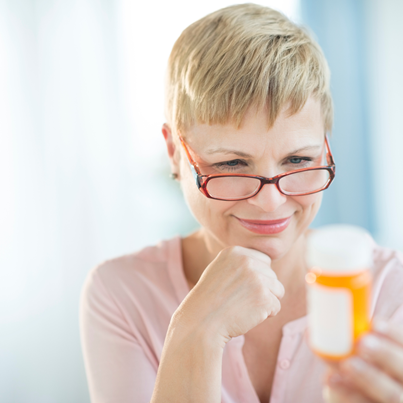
(265, 226)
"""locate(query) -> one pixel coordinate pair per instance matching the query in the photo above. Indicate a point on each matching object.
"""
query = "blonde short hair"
(242, 56)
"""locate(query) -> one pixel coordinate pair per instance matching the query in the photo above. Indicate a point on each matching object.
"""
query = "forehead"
(302, 129)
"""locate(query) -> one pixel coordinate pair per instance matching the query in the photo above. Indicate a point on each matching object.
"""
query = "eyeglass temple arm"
(192, 164)
(329, 154)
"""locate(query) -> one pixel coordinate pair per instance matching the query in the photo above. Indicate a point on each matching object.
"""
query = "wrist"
(187, 327)
(191, 364)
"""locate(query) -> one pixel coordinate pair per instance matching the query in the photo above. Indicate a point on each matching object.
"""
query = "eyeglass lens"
(236, 187)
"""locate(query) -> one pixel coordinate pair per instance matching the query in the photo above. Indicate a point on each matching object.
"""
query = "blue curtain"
(339, 27)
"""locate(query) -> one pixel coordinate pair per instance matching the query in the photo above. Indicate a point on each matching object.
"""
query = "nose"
(269, 198)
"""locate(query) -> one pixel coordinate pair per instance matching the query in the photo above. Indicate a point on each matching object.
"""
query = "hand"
(375, 374)
(237, 291)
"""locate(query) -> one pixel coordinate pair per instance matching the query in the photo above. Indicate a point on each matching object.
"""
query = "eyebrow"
(246, 155)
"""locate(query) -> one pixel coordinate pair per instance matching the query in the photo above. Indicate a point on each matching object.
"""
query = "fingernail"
(380, 326)
(329, 396)
(369, 343)
(354, 364)
(326, 394)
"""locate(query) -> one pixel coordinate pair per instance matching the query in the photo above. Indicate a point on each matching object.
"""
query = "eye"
(230, 165)
(299, 160)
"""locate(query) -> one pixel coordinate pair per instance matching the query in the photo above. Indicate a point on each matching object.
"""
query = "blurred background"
(83, 171)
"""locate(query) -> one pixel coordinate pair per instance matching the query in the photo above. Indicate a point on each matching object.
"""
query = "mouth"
(265, 227)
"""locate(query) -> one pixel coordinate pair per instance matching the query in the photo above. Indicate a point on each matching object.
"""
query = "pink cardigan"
(125, 311)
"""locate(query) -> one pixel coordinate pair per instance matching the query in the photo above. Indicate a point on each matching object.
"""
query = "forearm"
(190, 367)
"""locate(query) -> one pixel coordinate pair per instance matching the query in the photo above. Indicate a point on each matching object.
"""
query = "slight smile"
(265, 226)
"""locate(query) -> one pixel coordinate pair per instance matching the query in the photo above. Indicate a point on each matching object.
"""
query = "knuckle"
(246, 261)
(274, 305)
(235, 253)
(276, 287)
(262, 293)
(266, 295)
(272, 273)
(265, 298)
(277, 305)
(280, 288)
(235, 250)
(257, 289)
(256, 278)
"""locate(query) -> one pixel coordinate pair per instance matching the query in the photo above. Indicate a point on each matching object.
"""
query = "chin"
(273, 246)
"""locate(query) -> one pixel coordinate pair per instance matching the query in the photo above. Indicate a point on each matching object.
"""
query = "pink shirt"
(126, 307)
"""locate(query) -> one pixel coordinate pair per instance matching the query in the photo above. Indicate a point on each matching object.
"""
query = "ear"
(173, 152)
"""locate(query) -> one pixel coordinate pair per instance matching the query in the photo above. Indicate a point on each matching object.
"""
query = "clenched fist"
(237, 291)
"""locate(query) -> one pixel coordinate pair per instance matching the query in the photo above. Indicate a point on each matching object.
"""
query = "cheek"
(188, 186)
(204, 210)
(309, 204)
(192, 195)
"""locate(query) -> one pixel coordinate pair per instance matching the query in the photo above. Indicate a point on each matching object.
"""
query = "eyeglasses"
(233, 187)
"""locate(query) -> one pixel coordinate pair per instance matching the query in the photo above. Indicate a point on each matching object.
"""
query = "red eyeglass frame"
(202, 180)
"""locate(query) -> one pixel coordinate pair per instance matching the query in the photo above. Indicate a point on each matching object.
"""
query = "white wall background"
(385, 33)
(83, 172)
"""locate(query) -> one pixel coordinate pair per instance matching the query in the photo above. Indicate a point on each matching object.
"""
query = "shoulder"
(134, 276)
(146, 260)
(388, 282)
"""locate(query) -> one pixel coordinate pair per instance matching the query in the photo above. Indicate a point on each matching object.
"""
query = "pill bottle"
(339, 261)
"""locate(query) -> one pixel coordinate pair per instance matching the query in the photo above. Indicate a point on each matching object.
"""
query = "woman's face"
(256, 150)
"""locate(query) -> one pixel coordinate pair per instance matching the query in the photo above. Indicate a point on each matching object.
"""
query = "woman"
(220, 315)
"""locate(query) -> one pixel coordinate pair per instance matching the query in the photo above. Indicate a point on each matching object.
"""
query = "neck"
(200, 248)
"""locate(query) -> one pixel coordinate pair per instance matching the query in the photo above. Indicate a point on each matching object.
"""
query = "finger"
(262, 267)
(269, 279)
(258, 255)
(275, 287)
(390, 330)
(343, 394)
(258, 260)
(385, 354)
(334, 381)
(274, 306)
(370, 381)
(265, 270)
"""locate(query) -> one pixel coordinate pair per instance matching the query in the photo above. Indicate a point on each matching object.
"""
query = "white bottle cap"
(339, 248)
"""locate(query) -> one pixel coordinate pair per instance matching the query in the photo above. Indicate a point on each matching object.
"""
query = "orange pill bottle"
(339, 259)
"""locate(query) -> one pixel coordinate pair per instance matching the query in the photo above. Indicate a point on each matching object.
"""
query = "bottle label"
(330, 319)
